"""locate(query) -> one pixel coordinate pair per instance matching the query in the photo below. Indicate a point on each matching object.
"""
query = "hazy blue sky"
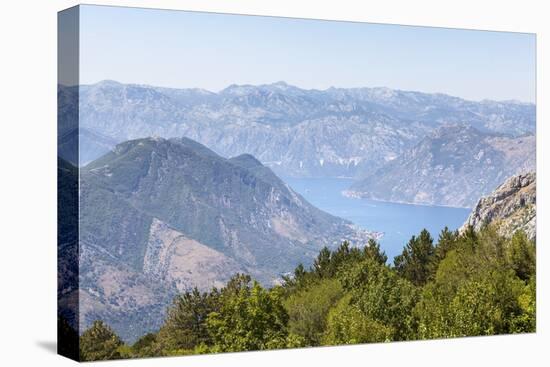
(212, 51)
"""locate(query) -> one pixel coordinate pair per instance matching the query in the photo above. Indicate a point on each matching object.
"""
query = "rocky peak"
(512, 206)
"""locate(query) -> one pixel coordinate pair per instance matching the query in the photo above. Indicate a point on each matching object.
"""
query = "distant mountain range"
(161, 216)
(296, 132)
(455, 165)
(179, 187)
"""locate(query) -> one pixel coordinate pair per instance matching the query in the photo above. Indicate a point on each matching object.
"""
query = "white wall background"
(28, 181)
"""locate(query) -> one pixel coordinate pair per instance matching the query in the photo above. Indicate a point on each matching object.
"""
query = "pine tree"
(185, 324)
(321, 265)
(99, 343)
(445, 243)
(416, 261)
(373, 251)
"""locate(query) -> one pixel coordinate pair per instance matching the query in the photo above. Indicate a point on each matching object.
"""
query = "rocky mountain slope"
(453, 166)
(160, 216)
(67, 242)
(511, 207)
(294, 131)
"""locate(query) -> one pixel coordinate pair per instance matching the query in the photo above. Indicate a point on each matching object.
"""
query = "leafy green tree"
(308, 309)
(475, 292)
(99, 342)
(460, 264)
(382, 296)
(526, 320)
(198, 349)
(236, 284)
(416, 263)
(125, 352)
(347, 324)
(520, 254)
(475, 283)
(432, 312)
(250, 318)
(485, 305)
(146, 346)
(185, 324)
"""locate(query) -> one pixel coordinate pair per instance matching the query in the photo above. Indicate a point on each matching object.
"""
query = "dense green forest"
(475, 283)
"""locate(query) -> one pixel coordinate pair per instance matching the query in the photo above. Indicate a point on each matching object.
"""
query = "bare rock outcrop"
(511, 207)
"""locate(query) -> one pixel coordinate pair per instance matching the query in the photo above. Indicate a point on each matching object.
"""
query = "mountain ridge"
(296, 132)
(281, 84)
(160, 216)
(453, 166)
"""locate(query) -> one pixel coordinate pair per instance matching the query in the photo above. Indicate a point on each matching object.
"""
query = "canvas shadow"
(48, 345)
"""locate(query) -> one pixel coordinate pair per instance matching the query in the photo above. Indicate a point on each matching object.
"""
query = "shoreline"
(357, 195)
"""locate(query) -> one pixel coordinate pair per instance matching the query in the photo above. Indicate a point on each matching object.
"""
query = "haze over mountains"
(454, 166)
(296, 132)
(163, 216)
(180, 188)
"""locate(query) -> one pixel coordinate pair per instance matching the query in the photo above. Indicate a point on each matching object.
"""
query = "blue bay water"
(398, 222)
